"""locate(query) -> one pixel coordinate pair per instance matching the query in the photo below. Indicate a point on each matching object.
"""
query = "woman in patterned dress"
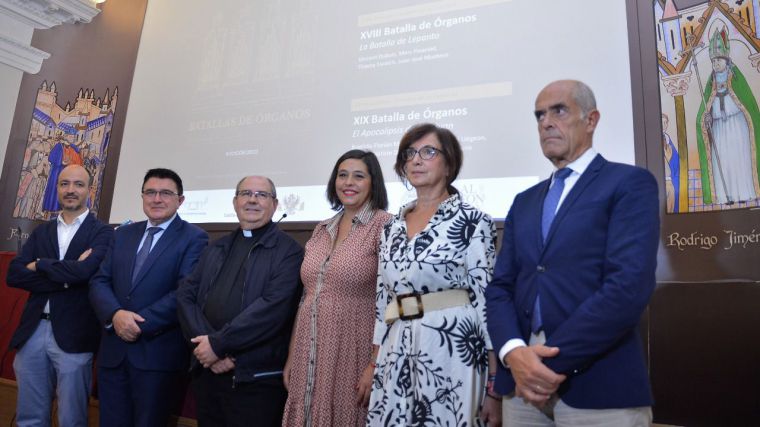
(329, 369)
(436, 258)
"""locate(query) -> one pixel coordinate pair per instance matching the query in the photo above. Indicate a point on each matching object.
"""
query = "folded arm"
(53, 275)
(78, 271)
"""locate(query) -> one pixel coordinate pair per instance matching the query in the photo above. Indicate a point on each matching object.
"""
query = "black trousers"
(220, 404)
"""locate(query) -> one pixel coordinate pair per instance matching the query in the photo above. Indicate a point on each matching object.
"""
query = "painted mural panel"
(709, 69)
(61, 136)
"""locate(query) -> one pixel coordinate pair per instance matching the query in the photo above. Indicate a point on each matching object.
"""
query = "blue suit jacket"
(160, 346)
(63, 282)
(595, 275)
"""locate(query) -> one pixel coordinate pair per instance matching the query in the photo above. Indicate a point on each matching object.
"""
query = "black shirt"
(225, 298)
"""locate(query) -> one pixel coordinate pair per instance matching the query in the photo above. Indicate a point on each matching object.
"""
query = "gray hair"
(584, 97)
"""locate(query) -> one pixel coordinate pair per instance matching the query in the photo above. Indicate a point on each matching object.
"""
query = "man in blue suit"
(575, 272)
(58, 332)
(142, 352)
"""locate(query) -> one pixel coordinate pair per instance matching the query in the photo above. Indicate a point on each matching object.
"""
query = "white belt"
(414, 304)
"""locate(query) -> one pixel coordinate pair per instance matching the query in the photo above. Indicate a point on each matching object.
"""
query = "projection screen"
(282, 88)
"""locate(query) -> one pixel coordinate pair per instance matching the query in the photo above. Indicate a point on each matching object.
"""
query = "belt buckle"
(420, 309)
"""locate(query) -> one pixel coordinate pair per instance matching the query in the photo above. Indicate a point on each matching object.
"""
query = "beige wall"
(10, 79)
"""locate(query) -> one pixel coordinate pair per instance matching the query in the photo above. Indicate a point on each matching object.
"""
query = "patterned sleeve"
(479, 261)
(381, 299)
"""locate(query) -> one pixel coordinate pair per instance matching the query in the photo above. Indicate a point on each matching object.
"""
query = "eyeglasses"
(164, 194)
(426, 153)
(259, 195)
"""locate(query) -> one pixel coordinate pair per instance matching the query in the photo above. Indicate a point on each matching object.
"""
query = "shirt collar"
(164, 225)
(78, 220)
(257, 232)
(363, 216)
(581, 163)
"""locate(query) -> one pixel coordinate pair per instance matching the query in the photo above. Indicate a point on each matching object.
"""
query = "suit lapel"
(53, 241)
(588, 176)
(130, 247)
(539, 203)
(80, 239)
(165, 241)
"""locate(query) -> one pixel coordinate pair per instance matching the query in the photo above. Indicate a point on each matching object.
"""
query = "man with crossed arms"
(58, 332)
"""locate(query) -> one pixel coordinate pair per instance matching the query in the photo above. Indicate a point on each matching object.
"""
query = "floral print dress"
(431, 371)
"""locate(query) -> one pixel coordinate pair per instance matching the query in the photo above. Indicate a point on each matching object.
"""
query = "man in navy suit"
(58, 332)
(575, 272)
(142, 352)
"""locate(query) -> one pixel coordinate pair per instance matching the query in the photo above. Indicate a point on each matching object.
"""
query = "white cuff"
(509, 346)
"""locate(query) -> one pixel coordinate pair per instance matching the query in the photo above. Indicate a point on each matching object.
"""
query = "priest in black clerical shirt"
(224, 300)
(237, 310)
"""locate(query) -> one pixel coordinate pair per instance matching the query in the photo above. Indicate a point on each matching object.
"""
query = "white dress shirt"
(66, 232)
(163, 226)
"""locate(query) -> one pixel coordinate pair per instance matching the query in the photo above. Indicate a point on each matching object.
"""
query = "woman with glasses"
(436, 258)
(329, 370)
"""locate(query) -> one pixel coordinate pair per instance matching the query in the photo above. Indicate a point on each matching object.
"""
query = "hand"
(364, 386)
(286, 372)
(203, 351)
(84, 255)
(535, 383)
(224, 365)
(125, 323)
(32, 266)
(490, 413)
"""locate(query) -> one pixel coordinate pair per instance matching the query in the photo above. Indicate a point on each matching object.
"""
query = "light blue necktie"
(142, 254)
(550, 209)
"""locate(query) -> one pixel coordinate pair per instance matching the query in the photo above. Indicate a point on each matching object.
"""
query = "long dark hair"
(378, 196)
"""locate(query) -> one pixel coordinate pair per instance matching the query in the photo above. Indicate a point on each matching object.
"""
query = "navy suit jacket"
(63, 282)
(160, 346)
(595, 274)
